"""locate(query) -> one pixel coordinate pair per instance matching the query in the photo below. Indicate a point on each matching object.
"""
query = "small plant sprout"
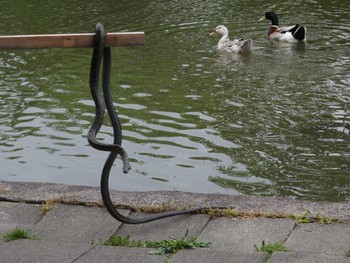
(270, 248)
(173, 245)
(120, 241)
(347, 253)
(304, 217)
(159, 247)
(46, 207)
(17, 233)
(324, 220)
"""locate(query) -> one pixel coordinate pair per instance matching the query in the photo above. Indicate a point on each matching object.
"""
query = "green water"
(274, 122)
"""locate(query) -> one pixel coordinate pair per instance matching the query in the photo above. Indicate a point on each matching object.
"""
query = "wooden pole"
(82, 40)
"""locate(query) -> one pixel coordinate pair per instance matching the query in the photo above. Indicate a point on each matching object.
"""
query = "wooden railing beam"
(82, 40)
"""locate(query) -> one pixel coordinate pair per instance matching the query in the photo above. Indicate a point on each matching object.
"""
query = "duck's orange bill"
(213, 33)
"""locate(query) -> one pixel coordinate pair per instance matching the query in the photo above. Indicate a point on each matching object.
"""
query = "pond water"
(274, 122)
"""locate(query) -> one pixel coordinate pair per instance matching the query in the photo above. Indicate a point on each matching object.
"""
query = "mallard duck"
(288, 34)
(236, 45)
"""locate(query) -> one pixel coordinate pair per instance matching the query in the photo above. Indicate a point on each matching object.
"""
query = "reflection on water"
(272, 122)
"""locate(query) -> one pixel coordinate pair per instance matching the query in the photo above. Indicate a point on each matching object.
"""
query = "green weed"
(270, 248)
(324, 220)
(347, 253)
(17, 233)
(174, 245)
(304, 217)
(119, 241)
(159, 247)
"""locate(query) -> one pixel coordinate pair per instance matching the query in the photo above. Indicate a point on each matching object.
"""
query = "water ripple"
(273, 122)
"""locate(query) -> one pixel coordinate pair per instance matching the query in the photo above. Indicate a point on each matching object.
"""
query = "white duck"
(236, 45)
(293, 33)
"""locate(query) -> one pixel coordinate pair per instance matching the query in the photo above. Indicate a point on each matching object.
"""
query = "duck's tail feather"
(298, 32)
(246, 45)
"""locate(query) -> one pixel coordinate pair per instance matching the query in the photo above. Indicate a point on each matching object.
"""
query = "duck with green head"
(293, 33)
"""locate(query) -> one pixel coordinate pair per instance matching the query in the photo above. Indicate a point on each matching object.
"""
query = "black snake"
(103, 101)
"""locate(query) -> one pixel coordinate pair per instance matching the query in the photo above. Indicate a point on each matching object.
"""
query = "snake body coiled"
(103, 100)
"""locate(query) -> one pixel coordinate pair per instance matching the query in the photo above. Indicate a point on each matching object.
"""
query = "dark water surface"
(274, 122)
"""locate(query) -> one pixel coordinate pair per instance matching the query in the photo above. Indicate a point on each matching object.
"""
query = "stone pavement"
(73, 233)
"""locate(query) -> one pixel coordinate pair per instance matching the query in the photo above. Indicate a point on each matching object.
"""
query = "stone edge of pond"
(30, 192)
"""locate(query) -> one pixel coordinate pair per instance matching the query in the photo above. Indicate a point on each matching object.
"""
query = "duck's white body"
(236, 45)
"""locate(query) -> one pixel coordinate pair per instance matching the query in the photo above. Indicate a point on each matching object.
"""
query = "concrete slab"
(241, 234)
(72, 223)
(210, 256)
(62, 230)
(294, 257)
(174, 227)
(108, 254)
(38, 192)
(332, 239)
(41, 251)
(18, 215)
